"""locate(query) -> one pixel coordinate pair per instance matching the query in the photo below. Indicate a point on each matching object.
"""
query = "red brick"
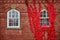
(24, 33)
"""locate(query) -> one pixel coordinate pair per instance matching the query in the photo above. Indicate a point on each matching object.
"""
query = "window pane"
(42, 21)
(9, 14)
(11, 22)
(15, 22)
(13, 13)
(17, 14)
(47, 14)
(43, 14)
(47, 22)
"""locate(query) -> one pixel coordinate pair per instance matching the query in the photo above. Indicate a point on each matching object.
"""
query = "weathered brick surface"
(24, 33)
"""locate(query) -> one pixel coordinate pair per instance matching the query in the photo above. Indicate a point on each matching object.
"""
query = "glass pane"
(47, 22)
(11, 22)
(17, 14)
(13, 13)
(47, 14)
(42, 21)
(9, 14)
(15, 22)
(43, 14)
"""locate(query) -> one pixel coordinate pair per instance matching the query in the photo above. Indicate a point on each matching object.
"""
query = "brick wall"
(24, 33)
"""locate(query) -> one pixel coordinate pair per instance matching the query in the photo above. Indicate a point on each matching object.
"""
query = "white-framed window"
(44, 17)
(13, 19)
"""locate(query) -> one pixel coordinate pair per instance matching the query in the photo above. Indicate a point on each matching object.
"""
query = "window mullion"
(46, 14)
(15, 19)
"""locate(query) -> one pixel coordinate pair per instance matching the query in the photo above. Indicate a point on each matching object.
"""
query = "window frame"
(42, 17)
(15, 27)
